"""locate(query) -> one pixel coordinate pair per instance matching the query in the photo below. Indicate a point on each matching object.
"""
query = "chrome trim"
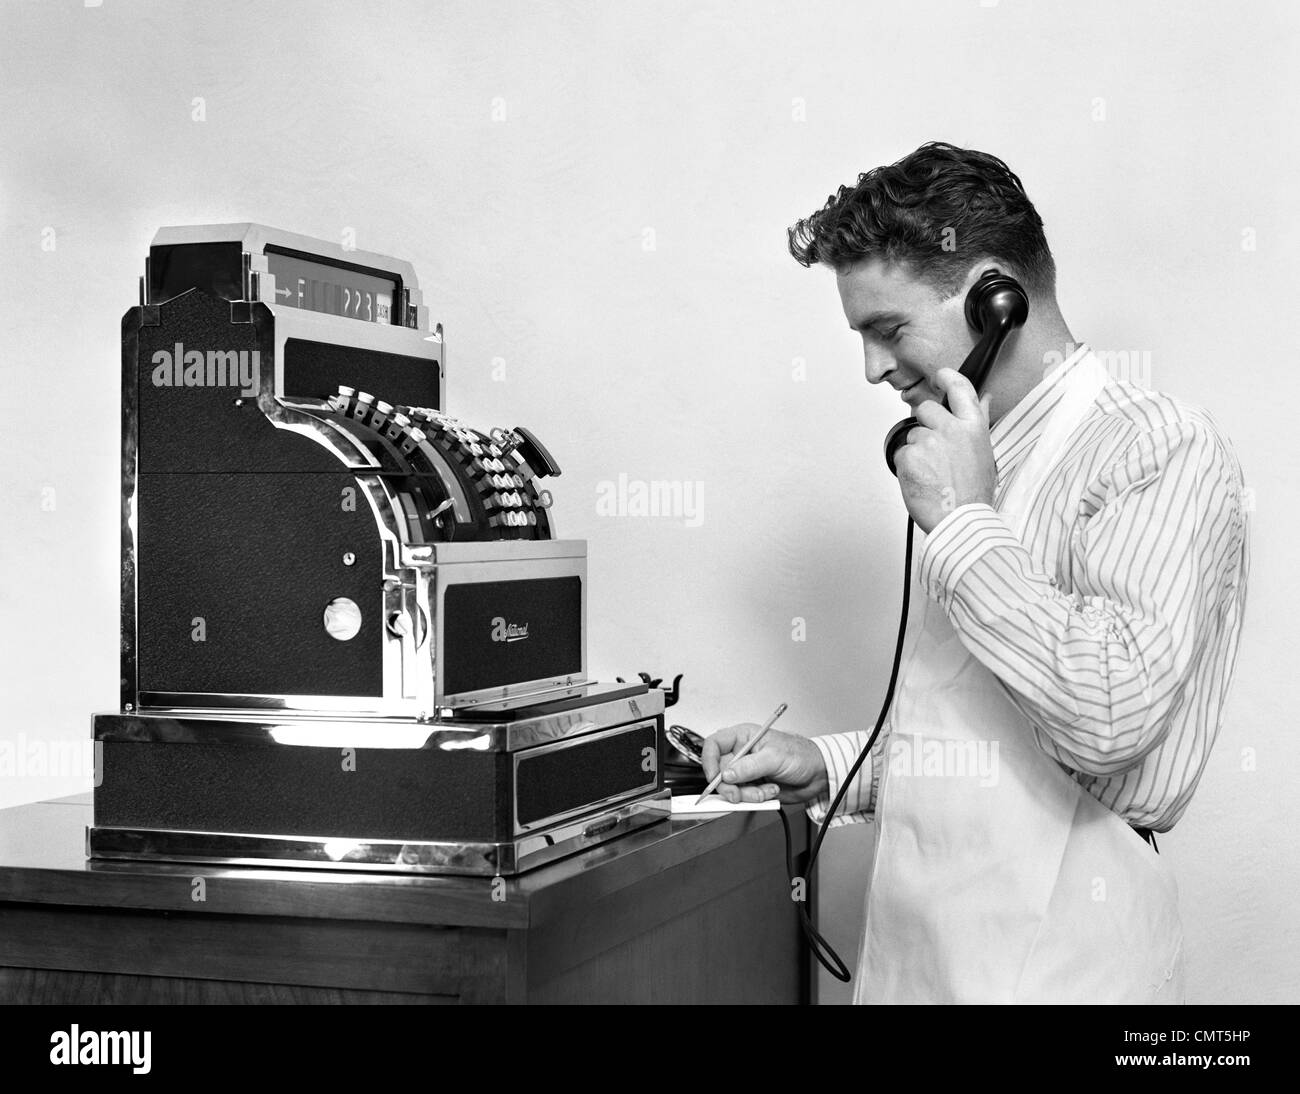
(129, 680)
(160, 702)
(255, 237)
(524, 756)
(461, 857)
(337, 706)
(571, 723)
(504, 550)
(185, 726)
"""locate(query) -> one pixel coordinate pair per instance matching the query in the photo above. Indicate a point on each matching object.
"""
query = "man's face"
(908, 331)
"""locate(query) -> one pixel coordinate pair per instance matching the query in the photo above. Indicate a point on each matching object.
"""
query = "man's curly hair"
(936, 211)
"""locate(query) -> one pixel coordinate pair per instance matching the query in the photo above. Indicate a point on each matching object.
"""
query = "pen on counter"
(745, 750)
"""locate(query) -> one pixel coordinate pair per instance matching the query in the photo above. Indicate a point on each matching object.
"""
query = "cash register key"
(342, 618)
(364, 401)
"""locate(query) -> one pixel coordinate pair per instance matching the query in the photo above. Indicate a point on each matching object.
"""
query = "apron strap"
(1082, 386)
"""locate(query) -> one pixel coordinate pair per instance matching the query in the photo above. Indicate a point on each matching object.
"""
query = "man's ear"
(978, 270)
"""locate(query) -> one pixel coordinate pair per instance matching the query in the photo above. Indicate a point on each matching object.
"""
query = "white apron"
(1025, 889)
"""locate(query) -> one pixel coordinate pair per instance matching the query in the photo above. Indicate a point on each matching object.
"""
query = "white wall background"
(1150, 135)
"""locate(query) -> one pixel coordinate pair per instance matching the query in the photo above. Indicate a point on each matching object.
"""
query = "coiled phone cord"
(823, 950)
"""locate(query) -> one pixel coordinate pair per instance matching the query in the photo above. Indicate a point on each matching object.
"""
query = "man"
(1081, 588)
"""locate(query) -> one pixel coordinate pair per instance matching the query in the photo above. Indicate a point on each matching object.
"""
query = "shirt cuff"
(956, 544)
(840, 751)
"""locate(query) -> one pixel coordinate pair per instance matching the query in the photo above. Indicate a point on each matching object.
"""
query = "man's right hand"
(784, 766)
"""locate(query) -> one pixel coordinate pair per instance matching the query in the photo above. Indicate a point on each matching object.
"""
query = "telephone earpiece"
(995, 306)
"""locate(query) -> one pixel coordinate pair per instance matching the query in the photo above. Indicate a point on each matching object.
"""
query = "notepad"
(715, 803)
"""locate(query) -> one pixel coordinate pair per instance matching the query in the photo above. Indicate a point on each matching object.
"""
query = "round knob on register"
(342, 618)
(399, 623)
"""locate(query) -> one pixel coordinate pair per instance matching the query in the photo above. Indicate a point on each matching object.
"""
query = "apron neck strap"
(1083, 383)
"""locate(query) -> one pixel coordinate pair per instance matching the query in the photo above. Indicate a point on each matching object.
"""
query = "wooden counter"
(693, 910)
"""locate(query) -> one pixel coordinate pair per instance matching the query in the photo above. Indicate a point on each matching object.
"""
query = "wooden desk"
(694, 910)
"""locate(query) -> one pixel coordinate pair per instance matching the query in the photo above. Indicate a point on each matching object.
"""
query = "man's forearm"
(1097, 676)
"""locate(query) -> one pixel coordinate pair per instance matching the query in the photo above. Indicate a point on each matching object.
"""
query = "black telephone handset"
(995, 306)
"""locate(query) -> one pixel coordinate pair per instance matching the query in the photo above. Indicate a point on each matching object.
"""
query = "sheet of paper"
(693, 803)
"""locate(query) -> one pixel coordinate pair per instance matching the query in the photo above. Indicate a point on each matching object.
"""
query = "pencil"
(745, 750)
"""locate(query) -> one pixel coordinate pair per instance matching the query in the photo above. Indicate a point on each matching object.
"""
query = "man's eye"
(892, 335)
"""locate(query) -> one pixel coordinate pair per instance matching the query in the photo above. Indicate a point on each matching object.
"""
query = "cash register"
(350, 636)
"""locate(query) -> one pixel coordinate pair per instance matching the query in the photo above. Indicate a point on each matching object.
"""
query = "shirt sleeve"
(840, 751)
(1099, 669)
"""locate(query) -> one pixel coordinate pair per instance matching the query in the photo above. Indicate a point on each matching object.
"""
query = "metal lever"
(671, 695)
(536, 454)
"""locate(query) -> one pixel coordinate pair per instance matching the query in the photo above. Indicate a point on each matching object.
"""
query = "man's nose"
(879, 361)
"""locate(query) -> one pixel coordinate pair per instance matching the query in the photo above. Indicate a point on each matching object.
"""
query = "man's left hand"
(948, 459)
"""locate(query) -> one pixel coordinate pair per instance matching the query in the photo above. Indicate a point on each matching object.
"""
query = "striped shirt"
(1114, 625)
